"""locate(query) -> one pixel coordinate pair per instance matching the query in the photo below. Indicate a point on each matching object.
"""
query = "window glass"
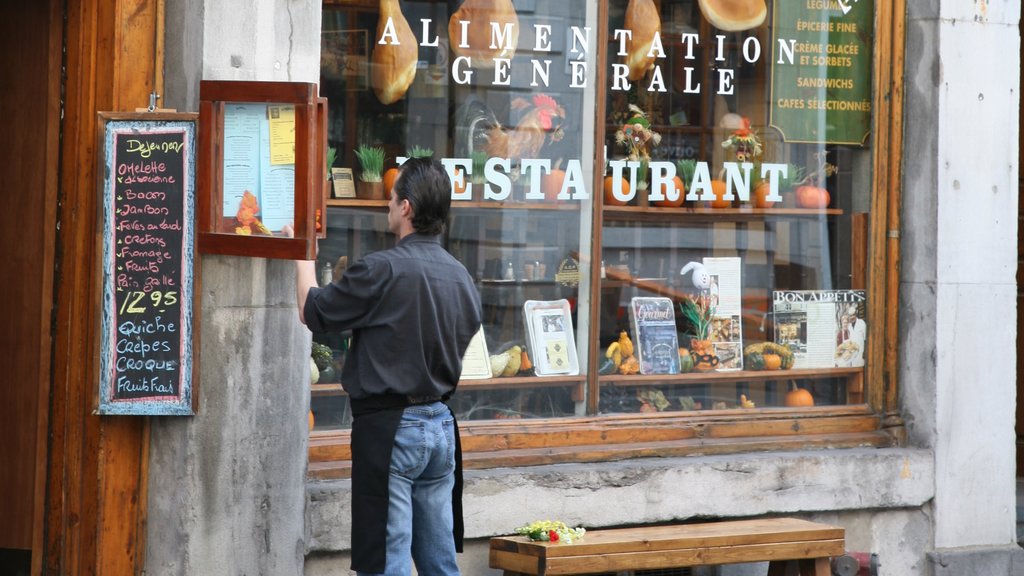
(736, 201)
(732, 191)
(503, 92)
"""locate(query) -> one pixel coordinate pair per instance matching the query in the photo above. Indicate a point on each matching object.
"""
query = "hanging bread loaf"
(734, 15)
(643, 21)
(393, 65)
(477, 42)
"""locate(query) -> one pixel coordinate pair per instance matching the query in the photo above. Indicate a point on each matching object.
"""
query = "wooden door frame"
(96, 471)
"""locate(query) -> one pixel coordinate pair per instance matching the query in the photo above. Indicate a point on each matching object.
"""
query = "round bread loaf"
(734, 15)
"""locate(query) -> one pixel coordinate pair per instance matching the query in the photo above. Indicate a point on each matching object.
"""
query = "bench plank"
(652, 547)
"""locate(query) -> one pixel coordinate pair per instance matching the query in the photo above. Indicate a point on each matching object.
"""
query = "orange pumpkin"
(311, 420)
(718, 189)
(390, 177)
(799, 397)
(552, 183)
(772, 361)
(812, 197)
(677, 183)
(609, 198)
(459, 182)
(760, 195)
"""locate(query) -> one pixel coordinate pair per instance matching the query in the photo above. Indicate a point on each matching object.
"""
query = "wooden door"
(30, 53)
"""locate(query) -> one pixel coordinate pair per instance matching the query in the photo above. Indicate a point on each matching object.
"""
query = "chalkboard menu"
(147, 176)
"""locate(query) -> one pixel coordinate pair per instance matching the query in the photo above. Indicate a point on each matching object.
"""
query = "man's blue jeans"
(420, 493)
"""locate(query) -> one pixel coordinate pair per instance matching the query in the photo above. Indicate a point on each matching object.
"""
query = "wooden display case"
(261, 166)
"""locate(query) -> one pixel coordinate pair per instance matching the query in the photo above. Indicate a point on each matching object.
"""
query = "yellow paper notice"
(282, 134)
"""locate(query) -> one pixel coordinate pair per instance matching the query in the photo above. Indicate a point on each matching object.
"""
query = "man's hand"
(305, 276)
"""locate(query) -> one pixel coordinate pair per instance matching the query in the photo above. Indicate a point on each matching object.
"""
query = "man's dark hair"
(425, 184)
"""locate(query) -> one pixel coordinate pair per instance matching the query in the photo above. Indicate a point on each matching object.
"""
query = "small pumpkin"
(799, 397)
(772, 361)
(459, 182)
(390, 177)
(311, 420)
(677, 184)
(685, 361)
(760, 194)
(552, 184)
(718, 189)
(609, 197)
(808, 196)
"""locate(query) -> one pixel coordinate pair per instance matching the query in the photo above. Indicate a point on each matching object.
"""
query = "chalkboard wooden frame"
(216, 232)
(148, 338)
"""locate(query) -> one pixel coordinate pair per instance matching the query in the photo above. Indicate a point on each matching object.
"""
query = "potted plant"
(371, 162)
(698, 312)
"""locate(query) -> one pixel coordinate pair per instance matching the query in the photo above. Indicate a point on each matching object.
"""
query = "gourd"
(393, 62)
(525, 365)
(552, 183)
(481, 15)
(677, 184)
(629, 366)
(798, 397)
(390, 176)
(685, 361)
(609, 197)
(756, 356)
(625, 344)
(643, 21)
(808, 196)
(515, 359)
(761, 192)
(718, 189)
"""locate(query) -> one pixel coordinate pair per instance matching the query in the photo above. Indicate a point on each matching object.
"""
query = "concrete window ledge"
(987, 560)
(662, 490)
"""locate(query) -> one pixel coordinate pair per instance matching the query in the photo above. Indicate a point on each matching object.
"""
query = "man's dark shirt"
(413, 310)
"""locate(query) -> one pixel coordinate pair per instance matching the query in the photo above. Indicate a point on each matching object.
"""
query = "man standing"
(412, 310)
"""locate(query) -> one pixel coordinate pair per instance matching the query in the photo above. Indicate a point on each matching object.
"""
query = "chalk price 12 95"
(137, 302)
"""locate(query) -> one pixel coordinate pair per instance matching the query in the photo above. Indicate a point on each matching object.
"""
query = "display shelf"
(727, 377)
(738, 214)
(464, 204)
(502, 383)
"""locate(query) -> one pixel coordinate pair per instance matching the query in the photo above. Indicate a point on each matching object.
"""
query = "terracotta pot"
(703, 353)
(369, 190)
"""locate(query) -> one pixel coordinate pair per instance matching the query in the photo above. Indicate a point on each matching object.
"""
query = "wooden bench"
(778, 541)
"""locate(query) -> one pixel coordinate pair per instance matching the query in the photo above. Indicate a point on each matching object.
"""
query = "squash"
(760, 194)
(482, 15)
(798, 397)
(718, 189)
(677, 183)
(629, 366)
(685, 361)
(311, 420)
(393, 63)
(808, 196)
(609, 197)
(625, 344)
(552, 183)
(390, 177)
(525, 366)
(772, 362)
(754, 356)
(643, 21)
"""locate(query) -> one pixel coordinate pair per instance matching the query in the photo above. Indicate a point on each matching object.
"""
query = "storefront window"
(678, 190)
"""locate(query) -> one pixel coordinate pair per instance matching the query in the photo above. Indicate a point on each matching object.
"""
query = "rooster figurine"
(539, 125)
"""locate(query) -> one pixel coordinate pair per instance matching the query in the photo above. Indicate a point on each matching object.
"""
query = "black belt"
(391, 401)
